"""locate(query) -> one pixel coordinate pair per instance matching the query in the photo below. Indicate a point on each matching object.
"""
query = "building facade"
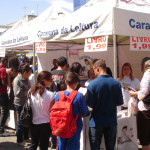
(79, 3)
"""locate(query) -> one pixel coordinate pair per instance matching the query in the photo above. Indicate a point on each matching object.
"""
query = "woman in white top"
(127, 81)
(143, 115)
(41, 102)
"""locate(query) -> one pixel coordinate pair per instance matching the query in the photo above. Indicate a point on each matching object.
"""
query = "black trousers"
(40, 135)
(4, 111)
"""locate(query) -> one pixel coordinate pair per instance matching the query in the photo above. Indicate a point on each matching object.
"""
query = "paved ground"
(9, 143)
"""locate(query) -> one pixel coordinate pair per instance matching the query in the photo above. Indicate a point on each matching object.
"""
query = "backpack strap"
(72, 96)
(61, 96)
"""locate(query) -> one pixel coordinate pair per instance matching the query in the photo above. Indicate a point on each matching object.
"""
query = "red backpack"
(62, 121)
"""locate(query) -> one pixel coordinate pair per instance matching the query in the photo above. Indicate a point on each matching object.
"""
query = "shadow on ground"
(11, 145)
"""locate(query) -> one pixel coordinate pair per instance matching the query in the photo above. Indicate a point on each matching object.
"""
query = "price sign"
(96, 44)
(2, 52)
(140, 43)
(40, 47)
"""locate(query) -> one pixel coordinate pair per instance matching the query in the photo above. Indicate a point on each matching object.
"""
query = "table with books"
(126, 133)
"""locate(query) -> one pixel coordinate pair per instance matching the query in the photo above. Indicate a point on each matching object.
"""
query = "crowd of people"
(103, 95)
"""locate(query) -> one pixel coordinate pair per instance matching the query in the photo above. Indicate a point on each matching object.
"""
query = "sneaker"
(27, 141)
(5, 134)
(23, 144)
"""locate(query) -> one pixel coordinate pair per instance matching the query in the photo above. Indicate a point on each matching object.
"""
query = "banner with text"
(96, 44)
(40, 47)
(2, 52)
(139, 43)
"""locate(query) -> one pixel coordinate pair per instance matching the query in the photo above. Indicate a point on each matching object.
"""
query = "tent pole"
(115, 61)
(34, 62)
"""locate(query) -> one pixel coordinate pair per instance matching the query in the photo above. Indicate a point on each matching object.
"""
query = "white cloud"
(62, 3)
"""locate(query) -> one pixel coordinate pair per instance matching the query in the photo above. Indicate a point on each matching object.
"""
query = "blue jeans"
(21, 132)
(95, 136)
(4, 111)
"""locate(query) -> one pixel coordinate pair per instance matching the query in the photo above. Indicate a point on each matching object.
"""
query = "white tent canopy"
(23, 34)
(96, 18)
(117, 18)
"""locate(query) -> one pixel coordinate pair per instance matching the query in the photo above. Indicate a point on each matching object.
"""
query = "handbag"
(26, 113)
(146, 100)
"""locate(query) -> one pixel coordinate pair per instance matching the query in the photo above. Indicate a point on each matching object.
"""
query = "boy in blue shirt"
(78, 107)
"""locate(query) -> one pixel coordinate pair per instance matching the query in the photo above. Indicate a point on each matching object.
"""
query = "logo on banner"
(40, 47)
(96, 44)
(139, 43)
(73, 53)
(2, 52)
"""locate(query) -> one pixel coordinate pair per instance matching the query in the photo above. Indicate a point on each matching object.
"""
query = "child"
(78, 107)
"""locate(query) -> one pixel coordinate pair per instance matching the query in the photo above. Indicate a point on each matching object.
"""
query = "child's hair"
(125, 127)
(39, 86)
(62, 61)
(71, 78)
(75, 67)
(24, 68)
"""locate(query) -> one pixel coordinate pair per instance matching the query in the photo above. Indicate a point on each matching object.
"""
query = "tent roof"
(96, 18)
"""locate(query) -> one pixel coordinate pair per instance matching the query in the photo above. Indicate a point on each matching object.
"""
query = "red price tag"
(95, 44)
(40, 47)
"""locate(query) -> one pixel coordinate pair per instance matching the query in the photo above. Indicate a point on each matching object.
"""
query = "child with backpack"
(65, 120)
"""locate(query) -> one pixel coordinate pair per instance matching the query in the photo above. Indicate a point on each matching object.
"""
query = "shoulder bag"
(146, 100)
(26, 113)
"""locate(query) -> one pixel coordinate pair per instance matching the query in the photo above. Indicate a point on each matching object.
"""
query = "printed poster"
(139, 43)
(40, 47)
(96, 44)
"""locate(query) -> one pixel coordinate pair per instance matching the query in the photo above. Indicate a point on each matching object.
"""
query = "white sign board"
(2, 52)
(139, 43)
(40, 47)
(96, 44)
(131, 23)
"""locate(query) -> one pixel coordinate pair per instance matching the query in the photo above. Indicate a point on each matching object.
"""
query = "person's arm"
(134, 94)
(144, 88)
(90, 100)
(8, 79)
(119, 100)
(82, 105)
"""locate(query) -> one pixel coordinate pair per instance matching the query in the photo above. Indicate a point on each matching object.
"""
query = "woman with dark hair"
(21, 87)
(41, 102)
(76, 67)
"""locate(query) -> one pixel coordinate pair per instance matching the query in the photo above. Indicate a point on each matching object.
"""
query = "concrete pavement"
(9, 142)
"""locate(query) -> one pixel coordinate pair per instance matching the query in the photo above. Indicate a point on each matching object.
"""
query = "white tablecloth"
(125, 141)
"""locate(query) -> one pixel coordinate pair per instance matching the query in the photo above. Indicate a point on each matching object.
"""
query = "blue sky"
(14, 10)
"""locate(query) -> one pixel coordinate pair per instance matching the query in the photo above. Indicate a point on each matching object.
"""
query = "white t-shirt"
(41, 106)
(127, 82)
(31, 79)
